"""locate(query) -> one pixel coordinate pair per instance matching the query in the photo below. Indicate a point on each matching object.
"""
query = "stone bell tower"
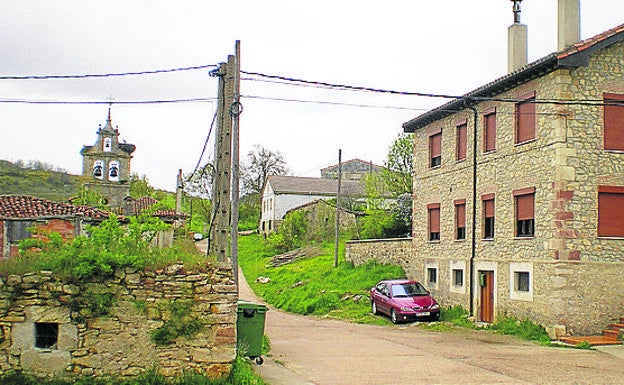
(107, 165)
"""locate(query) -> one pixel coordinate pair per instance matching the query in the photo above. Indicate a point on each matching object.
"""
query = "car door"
(383, 298)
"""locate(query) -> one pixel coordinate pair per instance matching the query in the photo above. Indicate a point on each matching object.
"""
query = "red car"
(403, 300)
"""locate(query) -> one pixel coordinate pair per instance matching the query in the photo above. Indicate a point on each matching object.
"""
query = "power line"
(309, 83)
(106, 75)
(332, 103)
(163, 101)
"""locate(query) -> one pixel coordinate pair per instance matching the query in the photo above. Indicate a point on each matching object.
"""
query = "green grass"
(525, 329)
(313, 286)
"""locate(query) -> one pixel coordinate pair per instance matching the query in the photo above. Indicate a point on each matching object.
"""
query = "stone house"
(353, 169)
(519, 192)
(283, 193)
(18, 213)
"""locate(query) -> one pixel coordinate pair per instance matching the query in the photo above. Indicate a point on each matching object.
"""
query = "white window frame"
(432, 265)
(457, 265)
(520, 267)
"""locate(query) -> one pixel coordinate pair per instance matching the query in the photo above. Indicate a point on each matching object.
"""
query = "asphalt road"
(310, 350)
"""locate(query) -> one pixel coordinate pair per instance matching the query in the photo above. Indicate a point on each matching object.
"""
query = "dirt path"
(308, 350)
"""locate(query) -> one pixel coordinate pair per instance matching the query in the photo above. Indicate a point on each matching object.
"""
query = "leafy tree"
(90, 198)
(400, 165)
(261, 162)
(140, 187)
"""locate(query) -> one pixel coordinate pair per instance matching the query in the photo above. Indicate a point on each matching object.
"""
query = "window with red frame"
(461, 141)
(525, 119)
(460, 219)
(611, 211)
(434, 221)
(488, 216)
(613, 122)
(435, 149)
(525, 212)
(489, 132)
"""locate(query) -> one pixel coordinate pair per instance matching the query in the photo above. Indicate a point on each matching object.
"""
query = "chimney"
(569, 23)
(517, 41)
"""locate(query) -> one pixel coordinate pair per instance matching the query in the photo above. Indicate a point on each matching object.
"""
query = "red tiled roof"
(28, 207)
(588, 43)
(145, 204)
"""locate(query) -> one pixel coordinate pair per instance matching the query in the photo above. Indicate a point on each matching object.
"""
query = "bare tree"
(261, 162)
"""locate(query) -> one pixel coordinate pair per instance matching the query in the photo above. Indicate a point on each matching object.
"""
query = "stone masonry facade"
(574, 276)
(46, 331)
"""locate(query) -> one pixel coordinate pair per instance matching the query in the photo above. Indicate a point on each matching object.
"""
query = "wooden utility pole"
(223, 160)
(235, 111)
(337, 236)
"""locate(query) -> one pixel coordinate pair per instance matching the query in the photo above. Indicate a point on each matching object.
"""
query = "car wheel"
(393, 317)
(374, 308)
(435, 317)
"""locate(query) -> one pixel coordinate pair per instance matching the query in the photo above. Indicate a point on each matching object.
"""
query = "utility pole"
(337, 235)
(223, 144)
(235, 111)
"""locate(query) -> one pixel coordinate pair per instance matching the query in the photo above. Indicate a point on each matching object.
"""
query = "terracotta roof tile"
(587, 43)
(314, 186)
(27, 207)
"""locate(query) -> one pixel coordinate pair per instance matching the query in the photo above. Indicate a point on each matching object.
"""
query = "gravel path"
(310, 350)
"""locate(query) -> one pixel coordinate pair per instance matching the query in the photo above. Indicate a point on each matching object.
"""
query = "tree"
(400, 165)
(199, 183)
(261, 162)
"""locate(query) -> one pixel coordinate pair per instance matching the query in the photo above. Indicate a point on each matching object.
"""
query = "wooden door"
(486, 310)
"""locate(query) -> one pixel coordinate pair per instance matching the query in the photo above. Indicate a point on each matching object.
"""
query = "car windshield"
(408, 290)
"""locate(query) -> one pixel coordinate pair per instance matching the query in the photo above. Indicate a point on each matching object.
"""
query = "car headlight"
(405, 308)
(435, 307)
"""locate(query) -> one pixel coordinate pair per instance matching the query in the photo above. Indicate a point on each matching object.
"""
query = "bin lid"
(243, 304)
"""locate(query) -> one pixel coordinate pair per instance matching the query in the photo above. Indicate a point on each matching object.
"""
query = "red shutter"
(525, 120)
(488, 208)
(435, 142)
(460, 214)
(461, 141)
(614, 123)
(490, 132)
(525, 207)
(610, 211)
(434, 220)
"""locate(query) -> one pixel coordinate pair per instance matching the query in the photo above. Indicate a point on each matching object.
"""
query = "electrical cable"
(106, 75)
(95, 102)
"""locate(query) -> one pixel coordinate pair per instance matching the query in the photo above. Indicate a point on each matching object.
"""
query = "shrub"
(526, 329)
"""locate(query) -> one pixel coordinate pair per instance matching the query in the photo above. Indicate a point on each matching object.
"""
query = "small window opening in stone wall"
(522, 282)
(46, 335)
(432, 275)
(458, 277)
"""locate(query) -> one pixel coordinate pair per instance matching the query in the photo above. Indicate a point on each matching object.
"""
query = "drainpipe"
(473, 242)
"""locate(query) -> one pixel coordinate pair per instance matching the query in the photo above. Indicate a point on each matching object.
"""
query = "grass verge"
(313, 286)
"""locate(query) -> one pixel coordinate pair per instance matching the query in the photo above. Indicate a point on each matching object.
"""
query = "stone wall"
(120, 342)
(396, 251)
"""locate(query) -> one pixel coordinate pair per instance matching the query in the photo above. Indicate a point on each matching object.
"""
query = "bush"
(525, 329)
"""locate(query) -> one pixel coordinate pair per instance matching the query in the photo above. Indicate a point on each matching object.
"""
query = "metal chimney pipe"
(517, 42)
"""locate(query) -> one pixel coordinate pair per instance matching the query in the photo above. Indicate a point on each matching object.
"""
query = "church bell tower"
(107, 165)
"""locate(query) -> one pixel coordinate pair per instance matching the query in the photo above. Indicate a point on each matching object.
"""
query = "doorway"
(486, 303)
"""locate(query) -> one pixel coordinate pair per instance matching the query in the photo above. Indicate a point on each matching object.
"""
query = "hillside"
(38, 179)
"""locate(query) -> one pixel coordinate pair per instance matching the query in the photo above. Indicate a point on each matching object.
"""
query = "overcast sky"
(439, 47)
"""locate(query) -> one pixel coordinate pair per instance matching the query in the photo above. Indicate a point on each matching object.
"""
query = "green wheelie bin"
(250, 329)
